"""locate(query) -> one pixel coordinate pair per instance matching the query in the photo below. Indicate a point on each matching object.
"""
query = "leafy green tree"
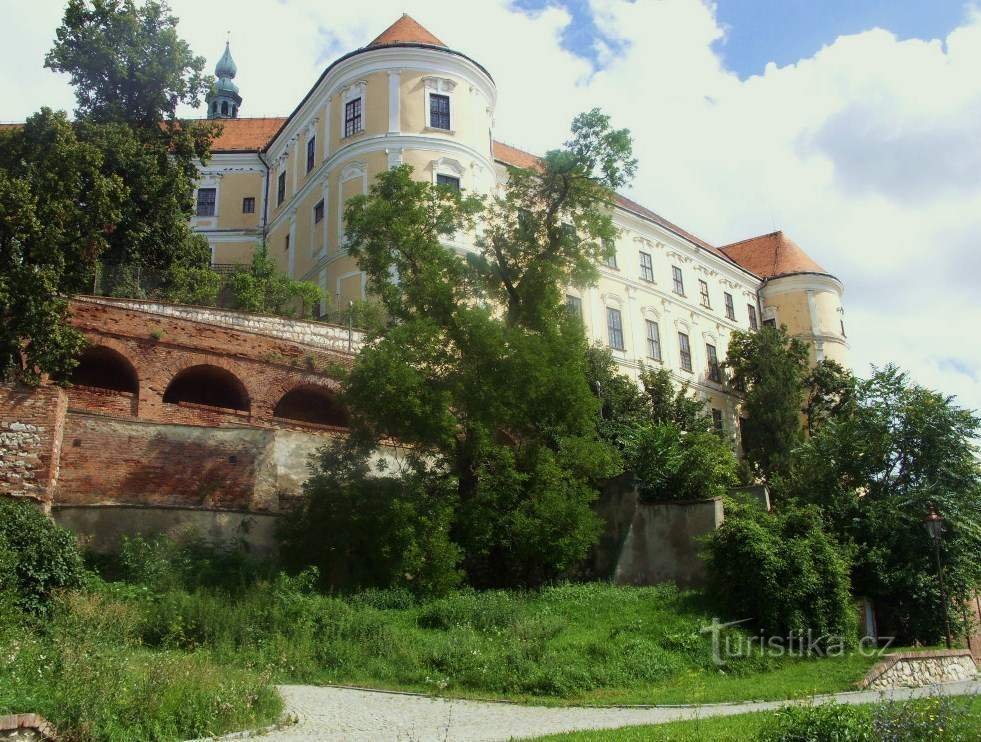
(57, 205)
(672, 464)
(876, 469)
(624, 409)
(783, 570)
(672, 404)
(829, 389)
(264, 288)
(126, 61)
(501, 404)
(768, 368)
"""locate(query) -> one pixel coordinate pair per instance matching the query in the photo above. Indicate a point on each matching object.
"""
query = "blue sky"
(783, 31)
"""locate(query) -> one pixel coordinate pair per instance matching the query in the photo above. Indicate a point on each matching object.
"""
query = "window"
(574, 305)
(714, 372)
(610, 260)
(685, 347)
(717, 420)
(703, 292)
(318, 212)
(751, 310)
(730, 309)
(646, 267)
(352, 117)
(653, 341)
(311, 148)
(281, 188)
(224, 108)
(450, 181)
(286, 244)
(843, 328)
(439, 111)
(679, 280)
(614, 324)
(206, 201)
(248, 205)
(769, 323)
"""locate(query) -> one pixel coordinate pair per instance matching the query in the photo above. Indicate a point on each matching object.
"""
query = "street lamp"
(934, 525)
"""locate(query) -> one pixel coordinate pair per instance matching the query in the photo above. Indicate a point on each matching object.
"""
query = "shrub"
(783, 570)
(36, 556)
(365, 530)
(937, 717)
(826, 722)
(674, 465)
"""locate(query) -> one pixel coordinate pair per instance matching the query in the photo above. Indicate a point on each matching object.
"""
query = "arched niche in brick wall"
(208, 385)
(312, 404)
(105, 368)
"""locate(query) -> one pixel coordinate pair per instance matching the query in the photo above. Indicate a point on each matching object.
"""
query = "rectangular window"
(653, 341)
(248, 205)
(753, 323)
(311, 148)
(685, 347)
(714, 372)
(439, 111)
(318, 212)
(717, 420)
(769, 323)
(206, 201)
(730, 309)
(281, 188)
(703, 292)
(574, 305)
(448, 180)
(842, 328)
(286, 244)
(614, 324)
(678, 279)
(352, 117)
(646, 267)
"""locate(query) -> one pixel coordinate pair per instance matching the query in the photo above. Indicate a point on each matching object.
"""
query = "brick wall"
(30, 439)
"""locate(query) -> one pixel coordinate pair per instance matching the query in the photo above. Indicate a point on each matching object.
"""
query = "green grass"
(739, 726)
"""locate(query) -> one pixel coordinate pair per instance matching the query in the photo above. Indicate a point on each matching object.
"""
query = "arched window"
(312, 404)
(234, 111)
(214, 107)
(224, 108)
(208, 385)
(104, 368)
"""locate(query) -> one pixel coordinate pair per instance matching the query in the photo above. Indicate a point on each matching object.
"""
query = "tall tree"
(876, 469)
(768, 367)
(500, 403)
(126, 61)
(57, 208)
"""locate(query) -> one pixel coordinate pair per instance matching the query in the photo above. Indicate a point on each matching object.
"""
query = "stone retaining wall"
(912, 669)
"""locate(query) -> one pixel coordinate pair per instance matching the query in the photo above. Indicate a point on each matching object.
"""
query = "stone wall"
(912, 669)
(307, 332)
(663, 543)
(30, 440)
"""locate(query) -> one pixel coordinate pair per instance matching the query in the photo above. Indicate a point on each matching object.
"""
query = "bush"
(36, 556)
(365, 530)
(673, 465)
(937, 717)
(826, 722)
(783, 570)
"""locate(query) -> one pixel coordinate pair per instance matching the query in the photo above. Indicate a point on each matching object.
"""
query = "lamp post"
(934, 525)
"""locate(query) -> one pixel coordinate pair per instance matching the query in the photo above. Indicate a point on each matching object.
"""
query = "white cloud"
(866, 153)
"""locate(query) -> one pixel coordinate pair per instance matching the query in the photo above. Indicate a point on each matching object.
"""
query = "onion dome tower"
(223, 99)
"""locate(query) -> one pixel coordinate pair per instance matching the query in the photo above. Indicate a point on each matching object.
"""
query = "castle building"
(667, 299)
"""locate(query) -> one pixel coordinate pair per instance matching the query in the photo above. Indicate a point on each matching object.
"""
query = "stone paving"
(353, 715)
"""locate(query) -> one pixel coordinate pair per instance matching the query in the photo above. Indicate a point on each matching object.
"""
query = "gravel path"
(352, 715)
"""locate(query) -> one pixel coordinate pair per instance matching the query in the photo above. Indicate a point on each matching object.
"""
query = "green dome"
(226, 65)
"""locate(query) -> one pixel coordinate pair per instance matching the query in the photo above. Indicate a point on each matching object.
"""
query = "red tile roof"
(250, 135)
(519, 158)
(771, 255)
(406, 30)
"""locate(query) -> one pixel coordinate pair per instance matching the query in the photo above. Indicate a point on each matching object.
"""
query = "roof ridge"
(750, 239)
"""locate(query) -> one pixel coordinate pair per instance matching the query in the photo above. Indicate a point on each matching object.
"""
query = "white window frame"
(352, 93)
(440, 86)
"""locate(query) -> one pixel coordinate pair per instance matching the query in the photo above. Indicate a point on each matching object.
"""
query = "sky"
(853, 125)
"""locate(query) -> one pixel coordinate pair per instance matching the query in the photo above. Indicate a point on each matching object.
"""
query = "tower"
(223, 99)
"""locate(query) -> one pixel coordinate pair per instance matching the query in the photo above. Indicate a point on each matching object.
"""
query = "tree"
(876, 469)
(126, 61)
(57, 207)
(675, 405)
(829, 389)
(768, 367)
(263, 288)
(501, 403)
(672, 464)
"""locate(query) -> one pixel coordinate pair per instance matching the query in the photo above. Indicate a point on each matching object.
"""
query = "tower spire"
(223, 99)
